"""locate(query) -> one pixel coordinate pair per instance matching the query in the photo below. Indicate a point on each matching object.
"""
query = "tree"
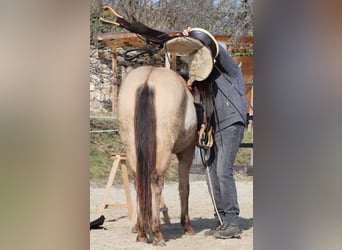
(231, 17)
(95, 25)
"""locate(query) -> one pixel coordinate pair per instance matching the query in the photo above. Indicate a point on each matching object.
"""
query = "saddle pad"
(200, 59)
(183, 45)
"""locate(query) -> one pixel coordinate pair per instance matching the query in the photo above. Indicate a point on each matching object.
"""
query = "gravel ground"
(116, 233)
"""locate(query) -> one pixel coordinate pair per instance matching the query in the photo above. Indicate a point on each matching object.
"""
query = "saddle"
(200, 56)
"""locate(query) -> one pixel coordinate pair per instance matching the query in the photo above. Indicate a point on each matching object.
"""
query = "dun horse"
(156, 118)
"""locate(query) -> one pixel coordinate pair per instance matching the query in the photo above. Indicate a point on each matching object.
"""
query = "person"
(228, 121)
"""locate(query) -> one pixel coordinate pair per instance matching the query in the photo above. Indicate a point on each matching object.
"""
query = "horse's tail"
(145, 146)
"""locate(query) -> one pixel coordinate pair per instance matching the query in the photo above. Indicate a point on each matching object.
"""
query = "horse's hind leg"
(157, 187)
(185, 160)
(141, 234)
(134, 221)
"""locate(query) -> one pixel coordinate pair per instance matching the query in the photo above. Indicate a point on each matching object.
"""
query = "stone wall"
(101, 75)
(101, 81)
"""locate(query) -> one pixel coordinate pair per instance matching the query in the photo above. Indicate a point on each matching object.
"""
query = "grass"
(103, 145)
(243, 157)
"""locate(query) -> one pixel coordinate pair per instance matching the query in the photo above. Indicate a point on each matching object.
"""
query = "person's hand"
(196, 94)
(186, 31)
(194, 90)
(189, 85)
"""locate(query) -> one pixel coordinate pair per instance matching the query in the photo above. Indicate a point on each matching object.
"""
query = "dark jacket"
(228, 92)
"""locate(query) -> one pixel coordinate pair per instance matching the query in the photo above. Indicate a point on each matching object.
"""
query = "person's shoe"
(212, 230)
(227, 232)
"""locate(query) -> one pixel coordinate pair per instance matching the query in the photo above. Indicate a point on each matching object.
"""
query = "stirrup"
(205, 137)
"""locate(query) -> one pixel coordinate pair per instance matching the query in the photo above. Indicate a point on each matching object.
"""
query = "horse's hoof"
(141, 239)
(189, 231)
(160, 243)
(134, 229)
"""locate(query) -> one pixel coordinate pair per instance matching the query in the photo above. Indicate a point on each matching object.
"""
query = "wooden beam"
(115, 81)
(101, 37)
(128, 38)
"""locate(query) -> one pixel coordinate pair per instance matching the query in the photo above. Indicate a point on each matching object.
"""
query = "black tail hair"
(145, 141)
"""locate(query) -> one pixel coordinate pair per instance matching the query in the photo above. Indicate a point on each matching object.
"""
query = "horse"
(157, 118)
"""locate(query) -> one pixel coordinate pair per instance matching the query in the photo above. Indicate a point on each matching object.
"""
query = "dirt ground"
(116, 234)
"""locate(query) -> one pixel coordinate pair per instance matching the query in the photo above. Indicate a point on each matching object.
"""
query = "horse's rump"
(174, 110)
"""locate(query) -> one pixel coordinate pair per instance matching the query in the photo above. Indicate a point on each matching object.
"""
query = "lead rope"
(205, 161)
(205, 164)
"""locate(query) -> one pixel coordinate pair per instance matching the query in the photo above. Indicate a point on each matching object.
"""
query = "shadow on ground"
(175, 230)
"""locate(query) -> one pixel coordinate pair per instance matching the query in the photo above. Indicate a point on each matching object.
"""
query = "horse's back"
(168, 86)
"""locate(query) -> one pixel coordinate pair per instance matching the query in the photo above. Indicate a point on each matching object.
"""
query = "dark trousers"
(226, 146)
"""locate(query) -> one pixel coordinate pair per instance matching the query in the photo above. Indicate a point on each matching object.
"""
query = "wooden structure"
(122, 39)
(120, 160)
